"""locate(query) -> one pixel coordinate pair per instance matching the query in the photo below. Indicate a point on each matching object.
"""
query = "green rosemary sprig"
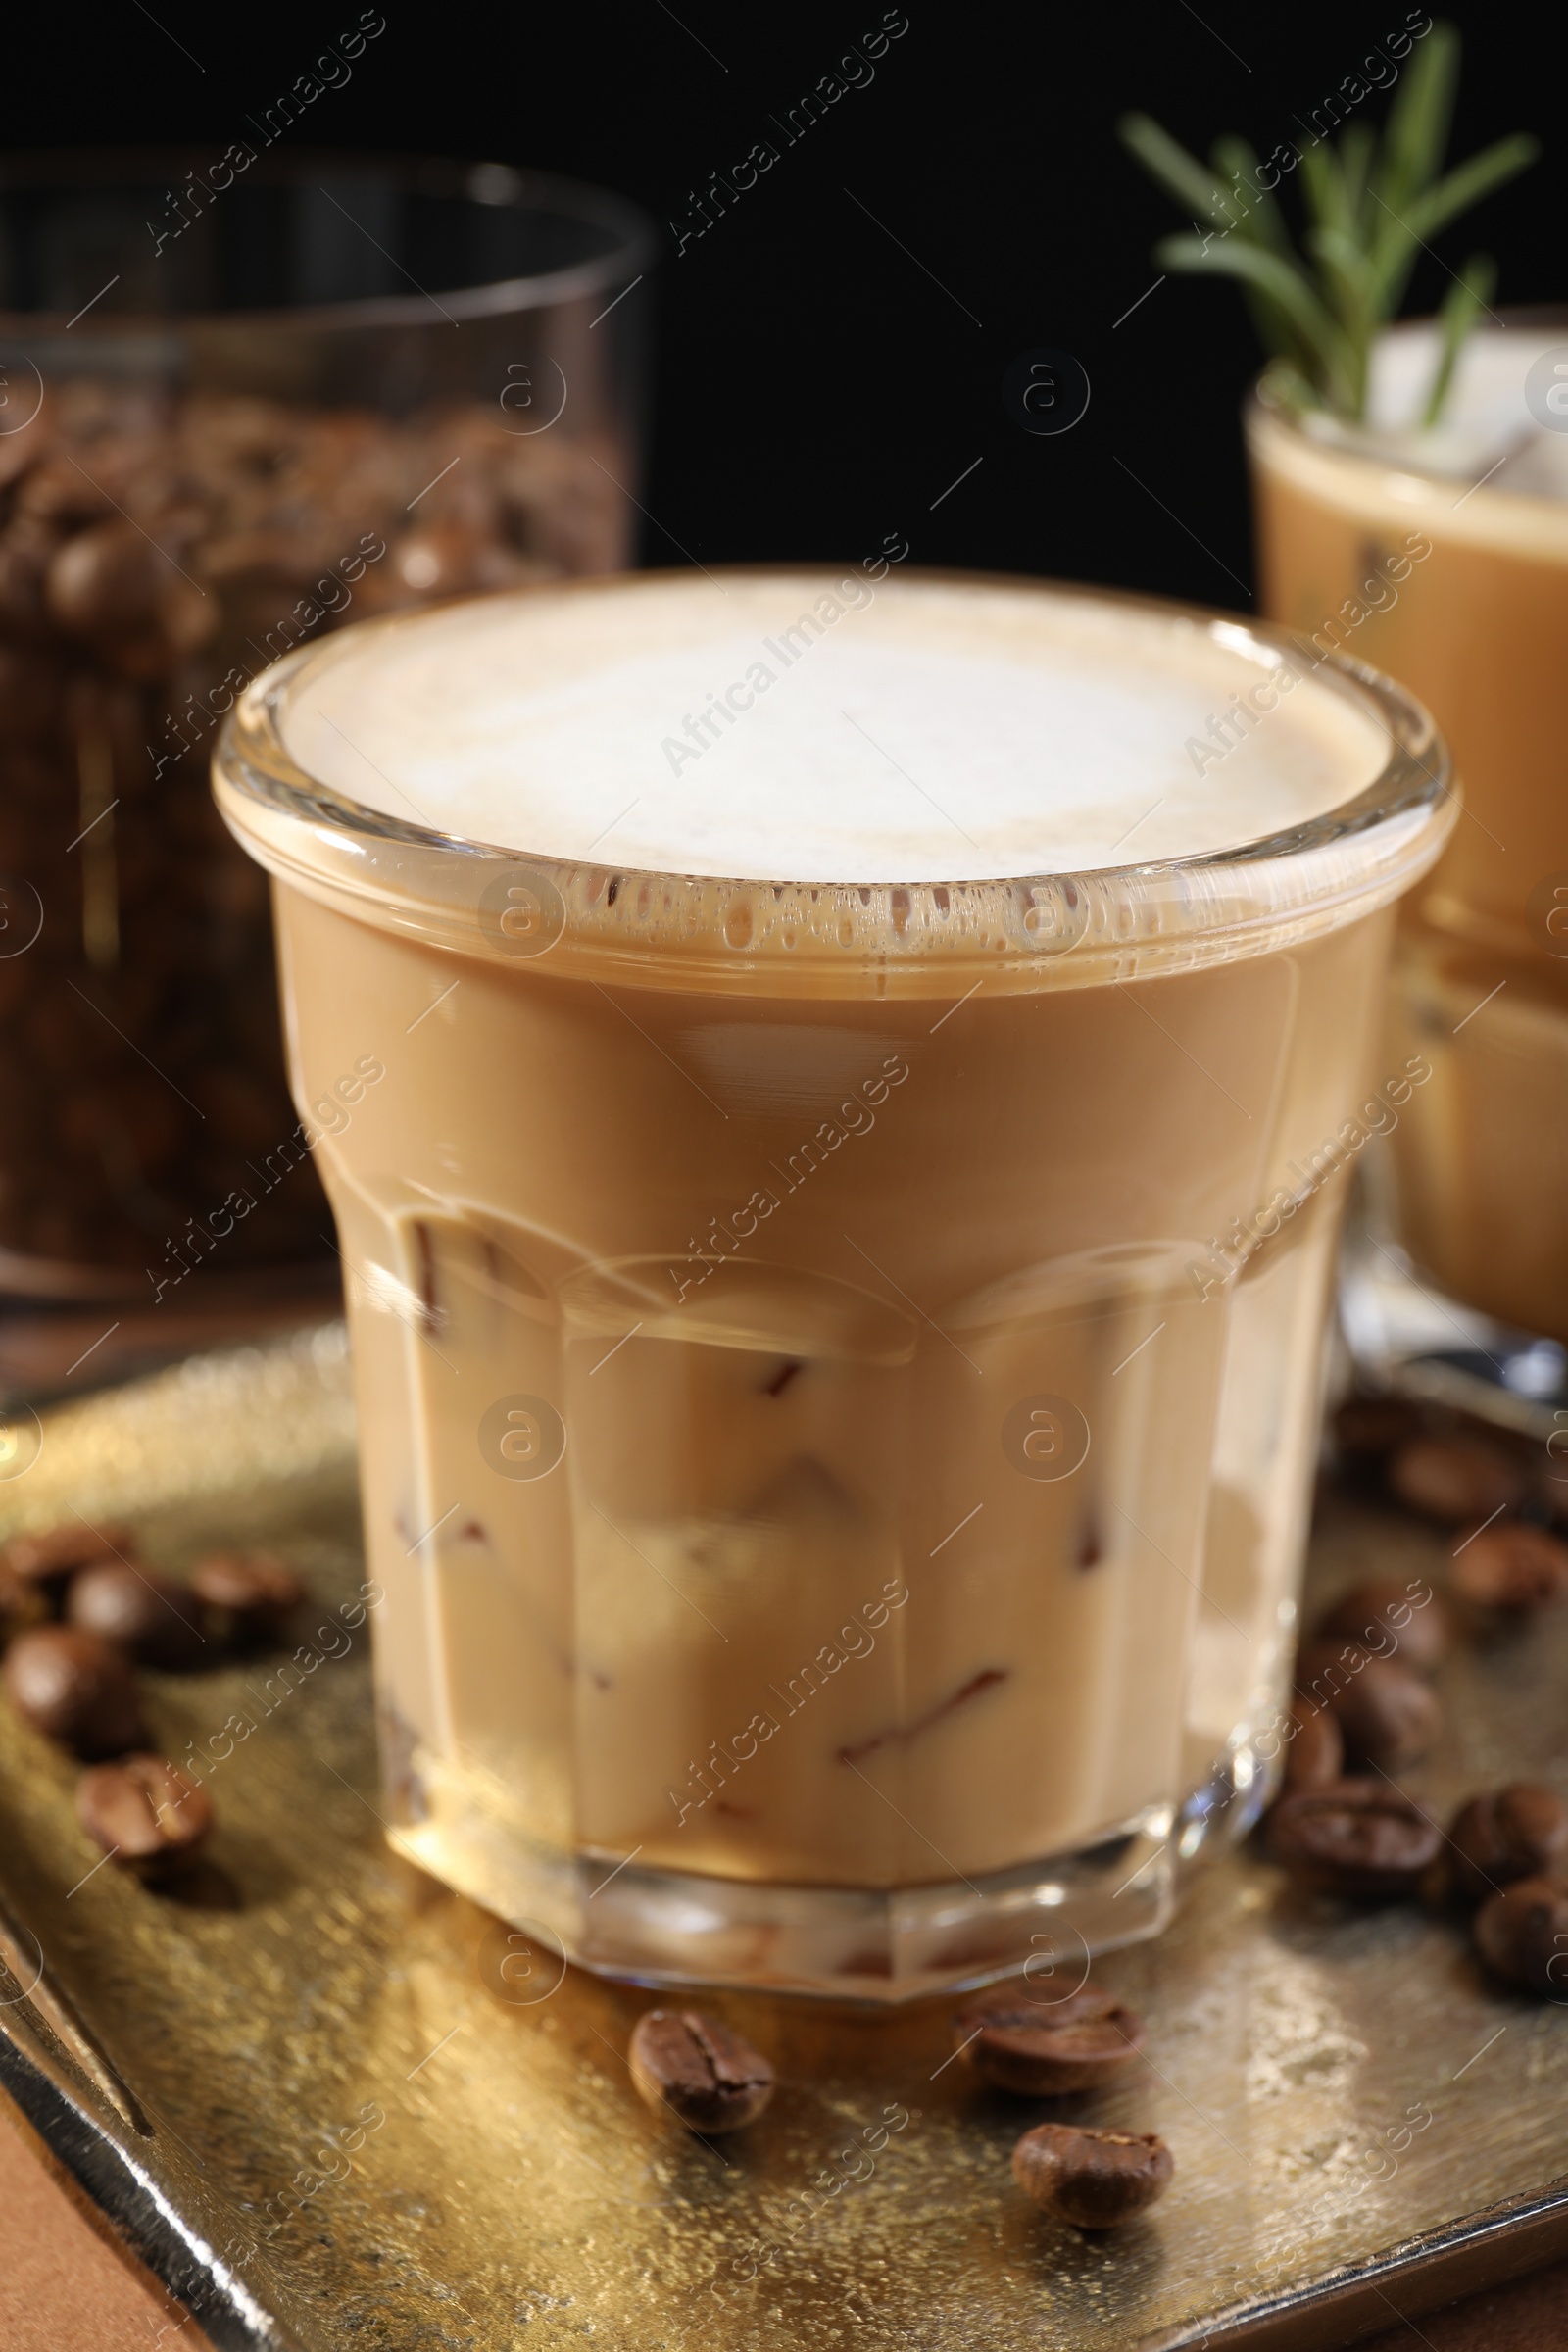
(1372, 205)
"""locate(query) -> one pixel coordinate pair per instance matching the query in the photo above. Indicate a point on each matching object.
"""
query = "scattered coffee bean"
(1314, 1756)
(1361, 1839)
(1387, 1715)
(250, 1594)
(1040, 2047)
(1455, 1478)
(1393, 1616)
(75, 1686)
(50, 1559)
(148, 1615)
(1521, 1935)
(1091, 2178)
(698, 2069)
(1512, 1567)
(1520, 1832)
(145, 1812)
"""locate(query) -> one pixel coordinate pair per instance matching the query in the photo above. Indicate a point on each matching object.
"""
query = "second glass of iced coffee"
(828, 1107)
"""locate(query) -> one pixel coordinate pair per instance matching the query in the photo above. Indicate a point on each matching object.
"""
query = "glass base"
(608, 1914)
(1405, 1337)
(1219, 1812)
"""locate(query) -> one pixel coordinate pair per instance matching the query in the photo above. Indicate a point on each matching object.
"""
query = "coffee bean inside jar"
(191, 499)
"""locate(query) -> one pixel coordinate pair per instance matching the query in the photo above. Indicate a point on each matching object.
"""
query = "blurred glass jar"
(1441, 558)
(242, 402)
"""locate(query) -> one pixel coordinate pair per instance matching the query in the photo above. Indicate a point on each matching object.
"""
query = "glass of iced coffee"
(826, 1105)
(1442, 556)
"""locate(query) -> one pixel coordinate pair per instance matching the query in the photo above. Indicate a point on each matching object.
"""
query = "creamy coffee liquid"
(817, 727)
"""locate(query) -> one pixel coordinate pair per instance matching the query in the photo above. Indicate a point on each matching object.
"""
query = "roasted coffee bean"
(1361, 1839)
(1511, 1567)
(1091, 2178)
(112, 583)
(698, 2069)
(29, 693)
(1324, 1668)
(248, 1594)
(75, 1686)
(61, 495)
(1520, 1832)
(134, 1121)
(1314, 1755)
(50, 1559)
(1392, 1616)
(150, 1616)
(1521, 1935)
(102, 581)
(23, 564)
(138, 560)
(1367, 1429)
(1455, 1478)
(1387, 1715)
(145, 1812)
(1040, 2047)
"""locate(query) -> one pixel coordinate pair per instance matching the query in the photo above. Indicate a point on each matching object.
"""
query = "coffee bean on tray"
(250, 1594)
(145, 1812)
(1094, 2179)
(1521, 1935)
(77, 1688)
(1314, 1756)
(1512, 1567)
(50, 1559)
(1392, 1616)
(697, 2067)
(148, 1615)
(1387, 1715)
(1360, 1838)
(1455, 1478)
(1516, 1833)
(1039, 2048)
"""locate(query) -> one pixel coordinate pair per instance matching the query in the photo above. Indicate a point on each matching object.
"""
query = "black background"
(818, 387)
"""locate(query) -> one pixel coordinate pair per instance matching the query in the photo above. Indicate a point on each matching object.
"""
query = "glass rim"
(1351, 463)
(1210, 907)
(631, 231)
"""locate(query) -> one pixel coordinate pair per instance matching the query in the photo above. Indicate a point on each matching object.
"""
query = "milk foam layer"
(812, 727)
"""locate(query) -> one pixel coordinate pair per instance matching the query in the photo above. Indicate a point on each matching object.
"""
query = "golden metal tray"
(330, 2104)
